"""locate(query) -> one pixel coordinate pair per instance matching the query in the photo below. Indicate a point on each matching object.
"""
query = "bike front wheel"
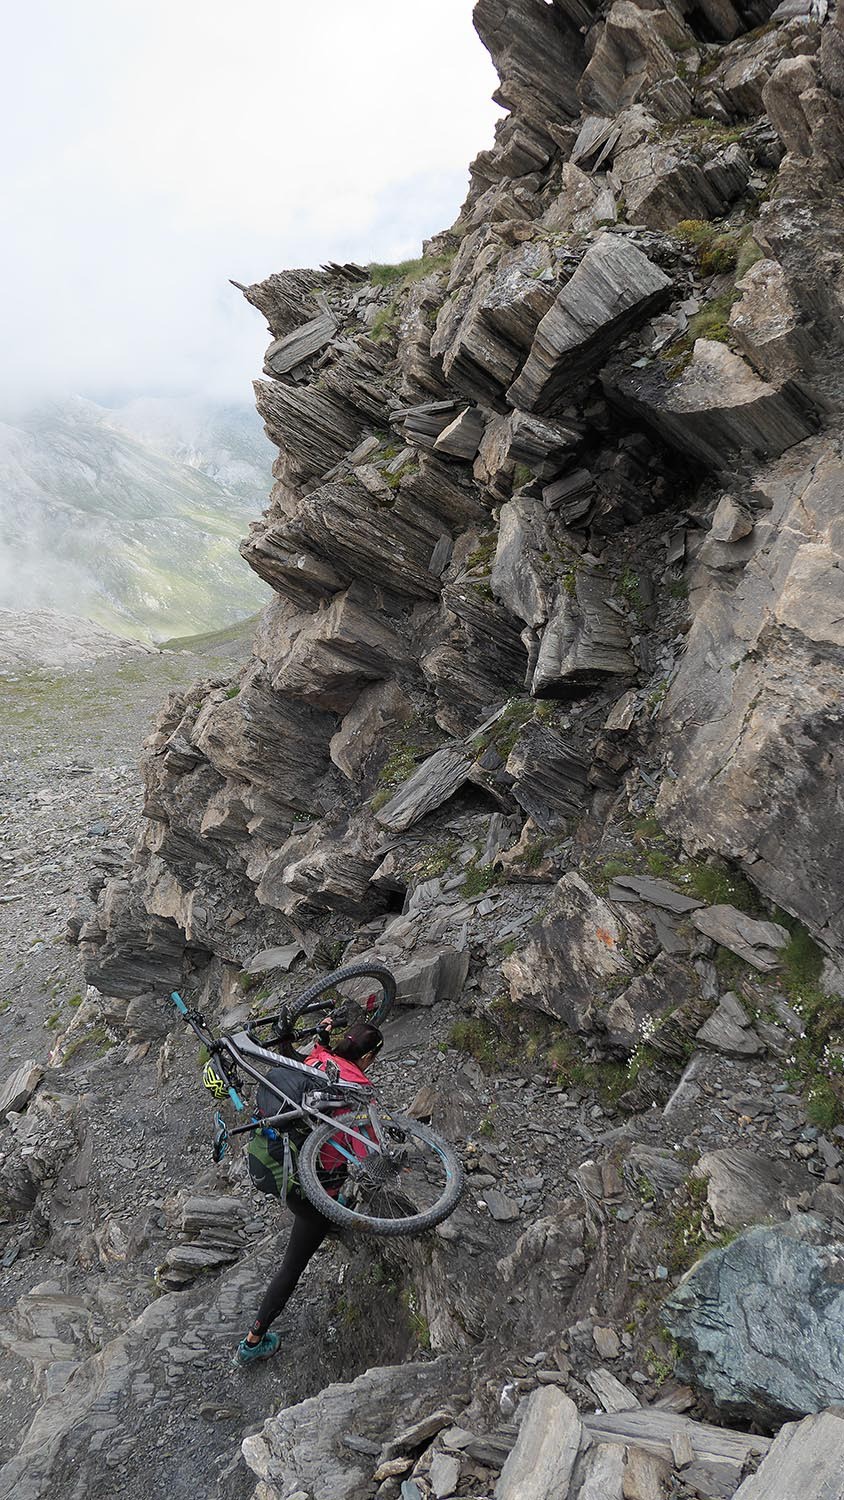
(303, 1015)
(409, 1181)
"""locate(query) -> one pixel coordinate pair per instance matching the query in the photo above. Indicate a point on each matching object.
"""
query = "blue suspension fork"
(197, 1025)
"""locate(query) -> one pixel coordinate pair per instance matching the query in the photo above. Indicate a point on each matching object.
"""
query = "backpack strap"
(286, 1168)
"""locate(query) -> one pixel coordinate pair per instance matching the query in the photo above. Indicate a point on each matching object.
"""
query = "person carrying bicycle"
(352, 1056)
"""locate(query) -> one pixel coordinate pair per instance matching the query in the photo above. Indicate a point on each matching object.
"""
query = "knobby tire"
(348, 1218)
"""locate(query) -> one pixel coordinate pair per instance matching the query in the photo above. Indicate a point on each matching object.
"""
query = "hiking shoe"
(247, 1354)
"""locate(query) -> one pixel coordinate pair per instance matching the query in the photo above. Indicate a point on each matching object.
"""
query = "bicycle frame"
(240, 1047)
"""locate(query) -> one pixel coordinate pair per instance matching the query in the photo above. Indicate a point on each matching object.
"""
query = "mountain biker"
(352, 1055)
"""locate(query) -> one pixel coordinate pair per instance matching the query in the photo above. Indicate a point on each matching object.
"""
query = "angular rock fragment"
(611, 1392)
(335, 537)
(730, 1033)
(538, 443)
(758, 943)
(731, 521)
(646, 1475)
(304, 1444)
(311, 430)
(371, 724)
(431, 784)
(601, 1474)
(580, 942)
(538, 54)
(664, 183)
(545, 1451)
(475, 657)
(19, 1088)
(635, 50)
(328, 869)
(583, 202)
(614, 289)
(812, 1449)
(572, 495)
(285, 354)
(745, 1187)
(336, 652)
(518, 577)
(755, 707)
(549, 777)
(485, 329)
(658, 893)
(462, 437)
(663, 988)
(768, 325)
(716, 408)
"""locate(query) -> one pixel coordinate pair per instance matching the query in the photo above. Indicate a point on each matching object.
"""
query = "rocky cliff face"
(580, 464)
(546, 709)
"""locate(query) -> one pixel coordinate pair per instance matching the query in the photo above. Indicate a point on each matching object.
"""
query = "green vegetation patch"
(385, 324)
(407, 272)
(502, 735)
(510, 1036)
(483, 556)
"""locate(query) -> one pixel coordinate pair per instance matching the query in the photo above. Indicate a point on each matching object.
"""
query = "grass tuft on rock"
(408, 272)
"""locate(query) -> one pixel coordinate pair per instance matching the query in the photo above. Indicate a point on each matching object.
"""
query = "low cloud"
(159, 149)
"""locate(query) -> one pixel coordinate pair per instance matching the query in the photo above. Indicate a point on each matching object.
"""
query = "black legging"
(309, 1230)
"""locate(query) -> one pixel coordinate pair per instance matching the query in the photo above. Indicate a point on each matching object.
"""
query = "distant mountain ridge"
(131, 517)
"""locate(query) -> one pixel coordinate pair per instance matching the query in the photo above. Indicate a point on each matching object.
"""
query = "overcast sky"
(156, 147)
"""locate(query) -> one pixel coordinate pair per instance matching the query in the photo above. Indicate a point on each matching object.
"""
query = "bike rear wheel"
(405, 1186)
(308, 1009)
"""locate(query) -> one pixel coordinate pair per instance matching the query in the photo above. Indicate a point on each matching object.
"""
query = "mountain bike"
(398, 1176)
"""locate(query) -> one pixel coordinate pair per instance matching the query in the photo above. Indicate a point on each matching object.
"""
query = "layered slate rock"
(541, 444)
(431, 784)
(304, 1444)
(665, 182)
(584, 639)
(745, 1188)
(614, 289)
(550, 779)
(518, 33)
(311, 430)
(462, 437)
(336, 536)
(758, 943)
(335, 652)
(285, 354)
(328, 867)
(717, 407)
(761, 1324)
(485, 327)
(636, 49)
(545, 1452)
(368, 727)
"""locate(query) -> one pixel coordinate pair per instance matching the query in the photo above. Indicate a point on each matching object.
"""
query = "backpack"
(273, 1151)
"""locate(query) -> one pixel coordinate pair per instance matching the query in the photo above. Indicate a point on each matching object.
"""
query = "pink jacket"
(350, 1073)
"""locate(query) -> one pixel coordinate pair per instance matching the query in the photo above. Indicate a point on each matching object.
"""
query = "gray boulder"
(761, 1323)
(717, 407)
(803, 1450)
(303, 1445)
